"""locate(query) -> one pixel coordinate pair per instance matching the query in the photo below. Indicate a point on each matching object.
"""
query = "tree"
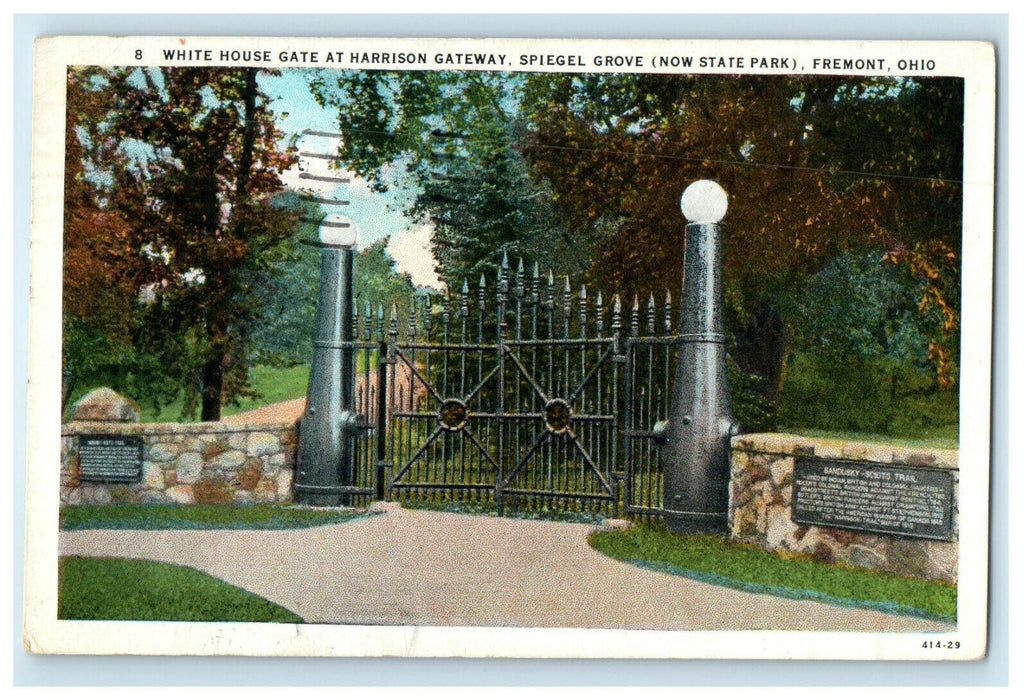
(814, 166)
(102, 269)
(455, 136)
(187, 159)
(914, 139)
(287, 291)
(860, 306)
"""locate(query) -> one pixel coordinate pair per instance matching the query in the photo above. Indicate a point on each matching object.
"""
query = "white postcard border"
(974, 61)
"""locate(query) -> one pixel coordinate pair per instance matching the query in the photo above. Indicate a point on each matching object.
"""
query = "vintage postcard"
(495, 347)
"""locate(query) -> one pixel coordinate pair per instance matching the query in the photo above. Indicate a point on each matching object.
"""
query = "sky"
(377, 215)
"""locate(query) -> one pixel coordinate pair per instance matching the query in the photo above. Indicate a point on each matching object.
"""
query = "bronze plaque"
(886, 498)
(117, 458)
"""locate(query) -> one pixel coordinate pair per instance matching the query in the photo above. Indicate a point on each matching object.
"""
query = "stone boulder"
(105, 404)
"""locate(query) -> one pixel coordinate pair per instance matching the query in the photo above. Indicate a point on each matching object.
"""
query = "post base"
(321, 501)
(688, 523)
(325, 496)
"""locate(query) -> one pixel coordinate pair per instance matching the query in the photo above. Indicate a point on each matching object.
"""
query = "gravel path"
(366, 384)
(283, 412)
(431, 568)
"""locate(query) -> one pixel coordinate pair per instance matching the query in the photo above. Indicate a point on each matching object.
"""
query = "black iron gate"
(650, 366)
(525, 396)
(519, 395)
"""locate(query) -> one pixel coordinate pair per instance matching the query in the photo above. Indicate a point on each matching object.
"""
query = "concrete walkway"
(405, 567)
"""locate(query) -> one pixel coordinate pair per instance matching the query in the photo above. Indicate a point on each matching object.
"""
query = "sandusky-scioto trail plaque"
(110, 458)
(877, 498)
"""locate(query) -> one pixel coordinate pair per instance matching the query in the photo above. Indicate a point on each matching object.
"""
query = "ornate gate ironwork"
(534, 403)
(524, 396)
(650, 364)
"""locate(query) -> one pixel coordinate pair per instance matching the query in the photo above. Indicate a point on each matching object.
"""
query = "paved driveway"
(405, 567)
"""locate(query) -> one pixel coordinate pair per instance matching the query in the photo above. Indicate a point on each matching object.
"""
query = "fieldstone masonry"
(105, 404)
(761, 494)
(254, 463)
(189, 463)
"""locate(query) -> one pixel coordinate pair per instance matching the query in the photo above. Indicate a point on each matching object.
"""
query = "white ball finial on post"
(338, 231)
(704, 202)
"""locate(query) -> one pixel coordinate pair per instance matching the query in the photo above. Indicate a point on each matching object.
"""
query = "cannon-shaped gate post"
(326, 463)
(695, 450)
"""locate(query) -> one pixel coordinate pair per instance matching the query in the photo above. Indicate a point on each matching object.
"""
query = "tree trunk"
(761, 349)
(68, 383)
(246, 157)
(213, 380)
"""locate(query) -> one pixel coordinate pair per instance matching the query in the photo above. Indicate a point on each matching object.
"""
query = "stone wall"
(189, 463)
(761, 497)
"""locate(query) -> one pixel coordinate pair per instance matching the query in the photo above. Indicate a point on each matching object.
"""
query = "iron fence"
(520, 394)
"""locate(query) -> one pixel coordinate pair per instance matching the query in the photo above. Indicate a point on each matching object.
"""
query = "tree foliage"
(860, 306)
(910, 133)
(814, 166)
(457, 135)
(170, 171)
(288, 295)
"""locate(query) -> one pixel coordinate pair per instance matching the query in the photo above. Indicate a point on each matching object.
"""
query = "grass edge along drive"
(712, 559)
(705, 558)
(107, 588)
(263, 516)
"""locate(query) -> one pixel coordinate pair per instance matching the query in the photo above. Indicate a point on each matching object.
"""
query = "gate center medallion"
(453, 414)
(557, 415)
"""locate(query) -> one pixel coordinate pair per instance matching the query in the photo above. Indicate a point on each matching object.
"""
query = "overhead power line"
(324, 178)
(325, 200)
(323, 223)
(831, 172)
(315, 132)
(659, 156)
(320, 156)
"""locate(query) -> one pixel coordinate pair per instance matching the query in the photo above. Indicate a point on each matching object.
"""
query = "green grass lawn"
(271, 384)
(130, 589)
(714, 560)
(489, 508)
(205, 517)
